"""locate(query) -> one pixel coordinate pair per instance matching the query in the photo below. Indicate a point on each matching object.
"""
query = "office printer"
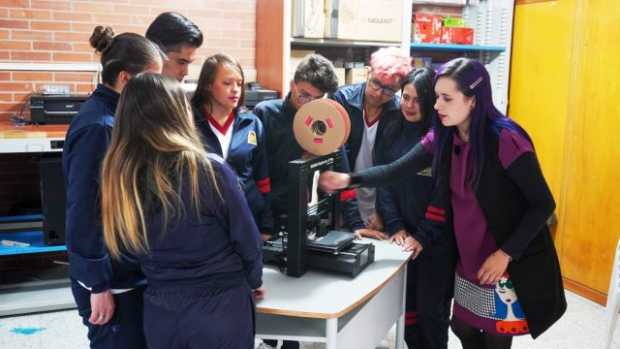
(55, 109)
(254, 94)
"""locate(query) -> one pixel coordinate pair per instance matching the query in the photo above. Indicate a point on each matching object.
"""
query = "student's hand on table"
(493, 268)
(370, 233)
(412, 245)
(259, 293)
(330, 181)
(399, 237)
(101, 307)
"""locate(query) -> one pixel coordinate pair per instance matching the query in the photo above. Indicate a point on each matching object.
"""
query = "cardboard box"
(453, 22)
(461, 36)
(427, 28)
(356, 75)
(341, 73)
(421, 62)
(308, 18)
(362, 20)
(440, 2)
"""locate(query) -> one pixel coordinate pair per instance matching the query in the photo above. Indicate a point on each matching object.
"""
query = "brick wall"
(57, 32)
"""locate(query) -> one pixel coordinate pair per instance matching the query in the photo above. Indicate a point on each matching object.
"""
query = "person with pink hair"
(372, 105)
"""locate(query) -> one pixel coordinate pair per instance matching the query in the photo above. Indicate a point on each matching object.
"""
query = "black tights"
(474, 338)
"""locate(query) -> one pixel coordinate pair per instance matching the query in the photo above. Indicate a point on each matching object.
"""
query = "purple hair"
(472, 79)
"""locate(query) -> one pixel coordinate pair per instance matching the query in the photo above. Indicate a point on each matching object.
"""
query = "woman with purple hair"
(490, 197)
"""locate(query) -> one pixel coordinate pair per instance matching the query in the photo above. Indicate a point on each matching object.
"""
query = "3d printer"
(310, 238)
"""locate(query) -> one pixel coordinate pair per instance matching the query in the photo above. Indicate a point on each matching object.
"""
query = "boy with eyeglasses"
(314, 77)
(372, 105)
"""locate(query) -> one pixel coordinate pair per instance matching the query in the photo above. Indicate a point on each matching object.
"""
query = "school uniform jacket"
(217, 248)
(247, 155)
(402, 205)
(85, 146)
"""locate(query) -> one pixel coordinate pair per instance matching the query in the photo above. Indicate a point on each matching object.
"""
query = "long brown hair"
(203, 95)
(154, 145)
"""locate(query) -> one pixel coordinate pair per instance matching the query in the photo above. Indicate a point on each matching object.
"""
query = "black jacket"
(402, 205)
(516, 203)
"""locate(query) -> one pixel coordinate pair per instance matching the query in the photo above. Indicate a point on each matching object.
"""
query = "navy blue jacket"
(402, 205)
(247, 155)
(85, 146)
(351, 97)
(277, 117)
(220, 248)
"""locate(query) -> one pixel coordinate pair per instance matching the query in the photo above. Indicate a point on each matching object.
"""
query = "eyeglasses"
(507, 284)
(304, 97)
(385, 90)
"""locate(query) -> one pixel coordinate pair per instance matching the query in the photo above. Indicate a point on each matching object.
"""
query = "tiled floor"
(581, 328)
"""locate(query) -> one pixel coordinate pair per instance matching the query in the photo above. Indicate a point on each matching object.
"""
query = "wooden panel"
(585, 291)
(591, 213)
(541, 62)
(564, 91)
(270, 44)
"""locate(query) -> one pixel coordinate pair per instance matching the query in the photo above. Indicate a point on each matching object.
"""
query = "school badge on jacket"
(252, 138)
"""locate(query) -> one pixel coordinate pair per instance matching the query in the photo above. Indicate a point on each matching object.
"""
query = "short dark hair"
(318, 71)
(125, 52)
(171, 30)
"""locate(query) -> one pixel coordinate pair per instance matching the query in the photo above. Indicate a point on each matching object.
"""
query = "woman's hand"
(330, 181)
(370, 233)
(101, 307)
(493, 268)
(412, 245)
(399, 237)
(259, 293)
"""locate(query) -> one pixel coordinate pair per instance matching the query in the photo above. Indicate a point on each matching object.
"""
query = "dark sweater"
(85, 146)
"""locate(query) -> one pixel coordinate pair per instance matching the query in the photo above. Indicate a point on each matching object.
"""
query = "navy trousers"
(124, 330)
(192, 318)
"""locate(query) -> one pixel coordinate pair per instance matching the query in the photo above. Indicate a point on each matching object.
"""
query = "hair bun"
(101, 38)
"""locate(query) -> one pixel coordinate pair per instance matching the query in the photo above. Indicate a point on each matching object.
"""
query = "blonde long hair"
(154, 146)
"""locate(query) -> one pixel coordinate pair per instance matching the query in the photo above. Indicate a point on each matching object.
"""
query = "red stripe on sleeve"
(264, 185)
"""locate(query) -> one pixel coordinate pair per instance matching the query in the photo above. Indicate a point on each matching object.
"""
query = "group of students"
(169, 200)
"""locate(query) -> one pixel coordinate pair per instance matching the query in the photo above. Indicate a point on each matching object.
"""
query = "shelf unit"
(33, 238)
(456, 48)
(340, 43)
(274, 42)
(491, 20)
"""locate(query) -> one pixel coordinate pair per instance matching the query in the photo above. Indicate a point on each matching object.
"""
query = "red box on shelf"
(427, 28)
(457, 35)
